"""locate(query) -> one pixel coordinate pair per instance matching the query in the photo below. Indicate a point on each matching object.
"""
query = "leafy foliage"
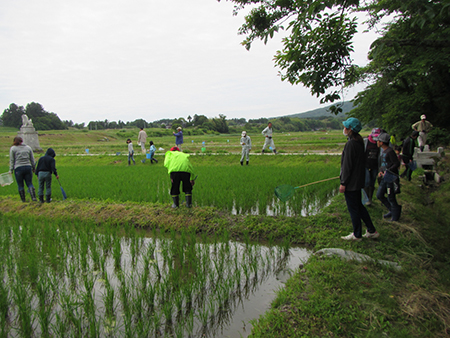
(42, 120)
(409, 69)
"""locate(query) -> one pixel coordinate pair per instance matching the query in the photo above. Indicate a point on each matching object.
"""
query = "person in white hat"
(246, 143)
(423, 127)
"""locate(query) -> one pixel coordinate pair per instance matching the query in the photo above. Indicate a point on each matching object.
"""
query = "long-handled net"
(285, 191)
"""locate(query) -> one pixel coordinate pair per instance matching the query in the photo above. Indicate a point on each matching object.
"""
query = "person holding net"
(352, 181)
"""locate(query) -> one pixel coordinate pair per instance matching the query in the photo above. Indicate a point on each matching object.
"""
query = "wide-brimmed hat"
(179, 128)
(383, 137)
(353, 124)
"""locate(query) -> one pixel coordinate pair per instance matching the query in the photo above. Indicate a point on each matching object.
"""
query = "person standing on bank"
(142, 139)
(178, 138)
(181, 171)
(423, 127)
(371, 152)
(352, 181)
(246, 143)
(389, 174)
(267, 132)
(21, 161)
(408, 153)
(45, 168)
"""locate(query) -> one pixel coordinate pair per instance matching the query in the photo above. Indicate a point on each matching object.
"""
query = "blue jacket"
(179, 137)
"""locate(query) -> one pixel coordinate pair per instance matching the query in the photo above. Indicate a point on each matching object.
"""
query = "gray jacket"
(20, 156)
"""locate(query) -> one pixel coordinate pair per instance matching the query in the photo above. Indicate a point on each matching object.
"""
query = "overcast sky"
(128, 59)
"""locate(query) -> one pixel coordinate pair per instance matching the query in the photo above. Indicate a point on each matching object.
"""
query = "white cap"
(244, 133)
(423, 117)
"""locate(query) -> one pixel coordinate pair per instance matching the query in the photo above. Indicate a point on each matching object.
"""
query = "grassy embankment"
(328, 296)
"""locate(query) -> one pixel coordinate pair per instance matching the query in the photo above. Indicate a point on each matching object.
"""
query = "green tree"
(409, 68)
(12, 116)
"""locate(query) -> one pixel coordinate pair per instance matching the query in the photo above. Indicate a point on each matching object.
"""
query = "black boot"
(262, 151)
(389, 214)
(33, 194)
(41, 198)
(396, 213)
(247, 163)
(275, 151)
(22, 195)
(48, 198)
(176, 201)
(242, 163)
(188, 201)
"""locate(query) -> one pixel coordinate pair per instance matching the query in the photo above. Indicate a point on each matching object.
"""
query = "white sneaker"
(351, 237)
(369, 235)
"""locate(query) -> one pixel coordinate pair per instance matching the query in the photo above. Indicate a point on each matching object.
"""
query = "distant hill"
(346, 107)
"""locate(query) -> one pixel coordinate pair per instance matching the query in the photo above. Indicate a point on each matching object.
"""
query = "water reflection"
(297, 205)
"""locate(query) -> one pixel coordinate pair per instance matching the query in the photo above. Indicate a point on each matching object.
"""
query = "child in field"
(130, 152)
(44, 170)
(152, 153)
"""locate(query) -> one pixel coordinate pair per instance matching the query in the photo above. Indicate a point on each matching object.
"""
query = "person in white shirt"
(142, 139)
(246, 143)
(267, 132)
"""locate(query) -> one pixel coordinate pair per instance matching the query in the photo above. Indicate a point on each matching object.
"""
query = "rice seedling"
(177, 285)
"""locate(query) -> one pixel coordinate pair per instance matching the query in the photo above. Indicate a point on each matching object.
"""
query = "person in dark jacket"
(389, 175)
(372, 152)
(352, 181)
(408, 153)
(45, 168)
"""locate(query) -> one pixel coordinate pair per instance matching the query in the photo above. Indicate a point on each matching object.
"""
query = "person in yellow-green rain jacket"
(181, 171)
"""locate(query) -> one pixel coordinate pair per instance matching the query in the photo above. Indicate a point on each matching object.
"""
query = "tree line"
(198, 124)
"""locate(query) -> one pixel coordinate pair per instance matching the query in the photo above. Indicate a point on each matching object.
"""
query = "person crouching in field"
(181, 171)
(352, 180)
(45, 168)
(130, 152)
(246, 143)
(152, 151)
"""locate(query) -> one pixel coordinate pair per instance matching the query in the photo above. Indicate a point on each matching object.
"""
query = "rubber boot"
(176, 201)
(22, 195)
(242, 163)
(262, 151)
(396, 213)
(33, 194)
(421, 149)
(41, 198)
(246, 163)
(48, 198)
(275, 151)
(188, 201)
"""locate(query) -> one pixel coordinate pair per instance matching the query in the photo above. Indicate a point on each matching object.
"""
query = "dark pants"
(390, 202)
(178, 177)
(358, 212)
(408, 171)
(24, 174)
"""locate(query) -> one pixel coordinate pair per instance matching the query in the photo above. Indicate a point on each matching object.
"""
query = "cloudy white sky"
(128, 59)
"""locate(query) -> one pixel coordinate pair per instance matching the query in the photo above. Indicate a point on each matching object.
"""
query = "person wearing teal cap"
(352, 180)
